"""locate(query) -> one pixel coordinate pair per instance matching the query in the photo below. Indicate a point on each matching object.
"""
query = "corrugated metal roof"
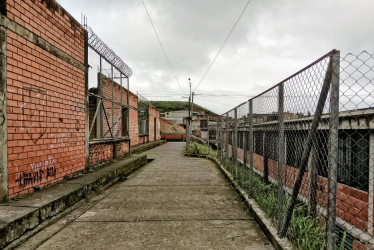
(170, 127)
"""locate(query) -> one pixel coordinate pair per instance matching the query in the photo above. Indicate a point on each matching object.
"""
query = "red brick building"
(44, 115)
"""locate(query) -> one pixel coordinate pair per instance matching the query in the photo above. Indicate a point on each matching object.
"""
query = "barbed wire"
(108, 54)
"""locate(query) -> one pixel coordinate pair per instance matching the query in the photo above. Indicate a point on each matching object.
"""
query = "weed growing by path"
(305, 231)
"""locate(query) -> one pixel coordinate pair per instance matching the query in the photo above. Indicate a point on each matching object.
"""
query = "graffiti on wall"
(36, 120)
(34, 112)
(2, 115)
(62, 140)
(37, 172)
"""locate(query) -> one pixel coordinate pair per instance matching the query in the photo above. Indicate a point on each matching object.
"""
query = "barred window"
(353, 168)
(353, 157)
(259, 143)
(295, 145)
(240, 139)
(271, 145)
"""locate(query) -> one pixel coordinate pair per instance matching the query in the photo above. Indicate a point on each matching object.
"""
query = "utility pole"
(188, 127)
(191, 113)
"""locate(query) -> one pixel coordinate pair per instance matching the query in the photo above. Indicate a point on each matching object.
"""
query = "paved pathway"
(174, 202)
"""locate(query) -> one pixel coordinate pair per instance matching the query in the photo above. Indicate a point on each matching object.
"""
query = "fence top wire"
(288, 78)
(357, 81)
(142, 99)
(101, 48)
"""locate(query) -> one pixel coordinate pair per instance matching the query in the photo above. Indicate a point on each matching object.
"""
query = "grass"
(195, 148)
(305, 231)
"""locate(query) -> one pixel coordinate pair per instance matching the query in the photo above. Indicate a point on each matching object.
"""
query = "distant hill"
(167, 106)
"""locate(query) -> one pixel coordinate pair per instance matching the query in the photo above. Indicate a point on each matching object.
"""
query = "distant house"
(171, 131)
(179, 117)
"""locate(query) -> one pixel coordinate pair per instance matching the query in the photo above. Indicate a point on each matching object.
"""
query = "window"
(353, 156)
(353, 159)
(230, 137)
(295, 145)
(259, 143)
(203, 124)
(212, 134)
(124, 122)
(271, 145)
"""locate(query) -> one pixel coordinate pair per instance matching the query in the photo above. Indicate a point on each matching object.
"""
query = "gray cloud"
(272, 40)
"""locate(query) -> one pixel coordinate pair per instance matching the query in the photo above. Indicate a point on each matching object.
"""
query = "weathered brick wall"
(103, 152)
(47, 19)
(133, 114)
(154, 124)
(113, 110)
(46, 118)
(134, 126)
(352, 204)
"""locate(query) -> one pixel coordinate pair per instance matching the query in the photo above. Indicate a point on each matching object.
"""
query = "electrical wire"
(162, 47)
(223, 44)
(224, 104)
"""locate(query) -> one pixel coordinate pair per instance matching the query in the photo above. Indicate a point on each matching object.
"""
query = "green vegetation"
(305, 231)
(167, 106)
(201, 150)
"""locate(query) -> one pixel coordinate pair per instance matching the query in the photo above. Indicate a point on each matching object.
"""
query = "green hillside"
(167, 106)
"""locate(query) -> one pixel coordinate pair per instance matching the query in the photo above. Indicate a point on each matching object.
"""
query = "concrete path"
(174, 202)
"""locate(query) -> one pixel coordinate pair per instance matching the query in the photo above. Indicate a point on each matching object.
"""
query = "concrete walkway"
(174, 202)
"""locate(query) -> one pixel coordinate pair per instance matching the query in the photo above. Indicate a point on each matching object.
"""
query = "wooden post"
(313, 178)
(281, 154)
(333, 150)
(4, 192)
(302, 164)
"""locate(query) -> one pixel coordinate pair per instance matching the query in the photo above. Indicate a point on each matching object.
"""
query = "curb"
(145, 147)
(265, 224)
(29, 212)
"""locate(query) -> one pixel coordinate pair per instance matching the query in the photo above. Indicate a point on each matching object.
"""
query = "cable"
(219, 51)
(211, 101)
(162, 47)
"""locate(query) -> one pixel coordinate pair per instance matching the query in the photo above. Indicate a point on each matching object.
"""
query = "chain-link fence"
(304, 151)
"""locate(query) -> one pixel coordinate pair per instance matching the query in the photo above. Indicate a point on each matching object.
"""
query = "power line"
(212, 102)
(223, 44)
(162, 47)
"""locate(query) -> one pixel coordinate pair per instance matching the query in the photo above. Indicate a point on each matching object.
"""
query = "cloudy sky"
(273, 39)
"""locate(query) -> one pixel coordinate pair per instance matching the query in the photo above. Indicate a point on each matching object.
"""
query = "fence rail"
(304, 150)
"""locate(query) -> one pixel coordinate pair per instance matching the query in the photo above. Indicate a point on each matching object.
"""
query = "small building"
(171, 131)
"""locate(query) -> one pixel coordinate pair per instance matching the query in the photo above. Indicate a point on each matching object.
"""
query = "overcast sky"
(273, 39)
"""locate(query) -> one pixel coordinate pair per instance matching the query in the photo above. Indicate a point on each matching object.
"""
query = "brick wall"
(154, 124)
(46, 102)
(352, 204)
(48, 20)
(104, 152)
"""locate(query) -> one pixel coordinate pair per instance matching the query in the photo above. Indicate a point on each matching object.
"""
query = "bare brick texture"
(46, 116)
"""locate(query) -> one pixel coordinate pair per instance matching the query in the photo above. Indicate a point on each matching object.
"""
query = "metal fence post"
(333, 150)
(281, 154)
(208, 134)
(227, 136)
(265, 147)
(101, 117)
(86, 104)
(222, 140)
(235, 143)
(245, 143)
(250, 145)
(302, 163)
